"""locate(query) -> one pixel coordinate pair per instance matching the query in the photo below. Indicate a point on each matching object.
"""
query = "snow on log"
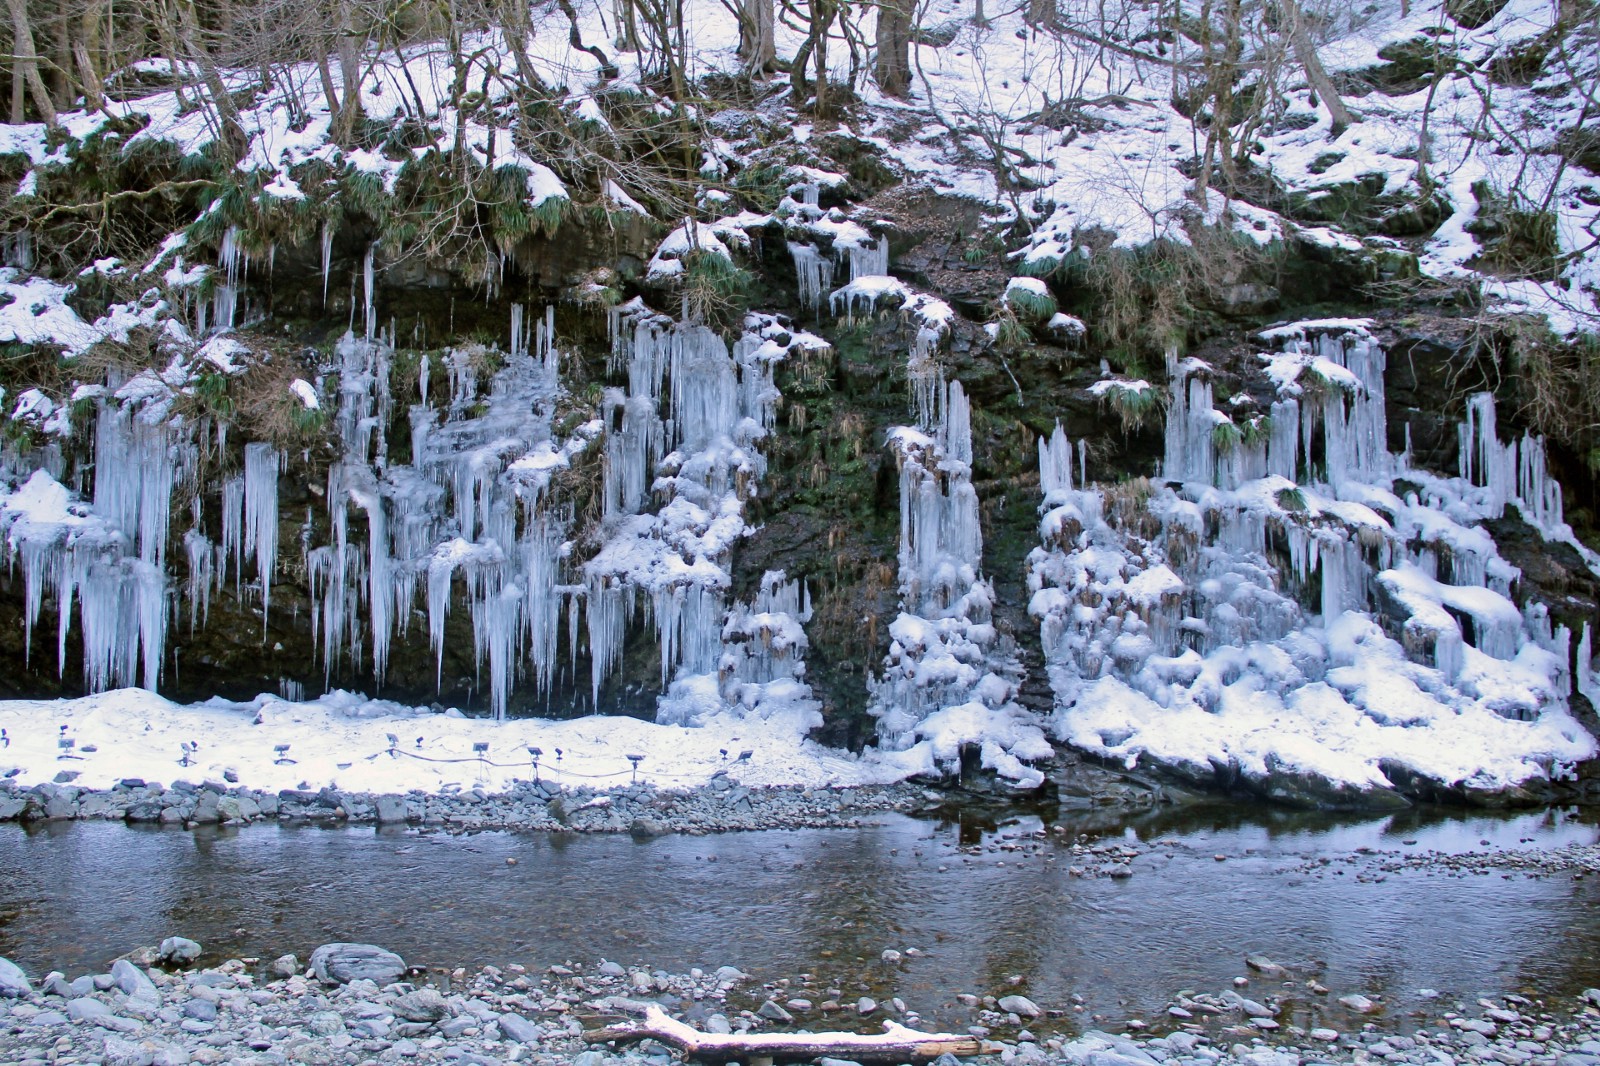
(896, 1044)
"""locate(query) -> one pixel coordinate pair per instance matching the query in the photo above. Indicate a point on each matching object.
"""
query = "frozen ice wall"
(1297, 602)
(949, 680)
(683, 458)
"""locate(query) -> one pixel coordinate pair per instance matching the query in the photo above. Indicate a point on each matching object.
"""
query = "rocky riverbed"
(724, 805)
(358, 1004)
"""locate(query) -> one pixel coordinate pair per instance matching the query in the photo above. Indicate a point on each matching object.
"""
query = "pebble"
(639, 809)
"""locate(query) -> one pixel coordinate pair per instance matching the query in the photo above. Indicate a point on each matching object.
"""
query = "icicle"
(226, 296)
(261, 464)
(870, 260)
(327, 257)
(814, 273)
(369, 288)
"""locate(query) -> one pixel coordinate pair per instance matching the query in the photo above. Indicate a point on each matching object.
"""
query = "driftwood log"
(895, 1044)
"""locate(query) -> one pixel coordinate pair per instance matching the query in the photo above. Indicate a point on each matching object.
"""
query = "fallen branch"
(895, 1044)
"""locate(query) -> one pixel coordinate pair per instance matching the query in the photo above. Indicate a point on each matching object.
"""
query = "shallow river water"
(829, 902)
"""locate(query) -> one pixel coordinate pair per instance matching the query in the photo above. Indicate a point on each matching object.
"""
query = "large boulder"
(13, 982)
(339, 964)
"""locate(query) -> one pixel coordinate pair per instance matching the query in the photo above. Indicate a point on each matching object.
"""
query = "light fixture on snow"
(190, 752)
(66, 744)
(394, 745)
(282, 751)
(419, 742)
(5, 741)
(481, 747)
(744, 756)
(724, 754)
(533, 754)
(636, 760)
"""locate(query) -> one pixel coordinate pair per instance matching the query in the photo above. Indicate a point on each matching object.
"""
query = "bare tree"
(25, 71)
(895, 24)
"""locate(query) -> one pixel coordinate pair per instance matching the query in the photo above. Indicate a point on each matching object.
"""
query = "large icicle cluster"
(1294, 601)
(949, 681)
(685, 432)
(474, 502)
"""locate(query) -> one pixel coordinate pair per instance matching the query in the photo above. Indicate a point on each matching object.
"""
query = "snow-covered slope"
(1289, 602)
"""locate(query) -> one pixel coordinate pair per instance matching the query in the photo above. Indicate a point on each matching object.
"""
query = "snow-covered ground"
(343, 741)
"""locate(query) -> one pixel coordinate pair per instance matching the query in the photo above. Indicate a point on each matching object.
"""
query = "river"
(829, 902)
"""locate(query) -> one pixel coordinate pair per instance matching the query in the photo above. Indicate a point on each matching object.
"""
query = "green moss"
(1028, 305)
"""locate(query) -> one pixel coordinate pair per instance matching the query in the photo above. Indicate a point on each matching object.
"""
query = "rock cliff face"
(843, 447)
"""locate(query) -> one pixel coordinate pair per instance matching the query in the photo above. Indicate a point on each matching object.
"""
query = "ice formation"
(1294, 599)
(949, 680)
(701, 463)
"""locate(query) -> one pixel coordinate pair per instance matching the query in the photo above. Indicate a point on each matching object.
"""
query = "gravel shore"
(357, 1004)
(724, 805)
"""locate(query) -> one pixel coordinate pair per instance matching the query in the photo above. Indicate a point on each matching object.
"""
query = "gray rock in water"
(774, 1013)
(423, 1005)
(612, 969)
(13, 982)
(285, 966)
(1255, 1009)
(718, 1024)
(82, 986)
(645, 828)
(1358, 1003)
(178, 950)
(136, 985)
(56, 985)
(12, 808)
(1020, 1005)
(516, 1027)
(866, 1005)
(1265, 966)
(391, 810)
(339, 964)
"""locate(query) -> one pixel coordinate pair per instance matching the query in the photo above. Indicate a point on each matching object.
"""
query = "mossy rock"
(1349, 204)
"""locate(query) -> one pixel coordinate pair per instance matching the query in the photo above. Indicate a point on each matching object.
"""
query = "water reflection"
(829, 903)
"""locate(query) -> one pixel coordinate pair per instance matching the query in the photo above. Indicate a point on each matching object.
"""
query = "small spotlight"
(282, 751)
(5, 740)
(419, 742)
(534, 751)
(636, 760)
(724, 754)
(533, 754)
(558, 755)
(744, 756)
(481, 747)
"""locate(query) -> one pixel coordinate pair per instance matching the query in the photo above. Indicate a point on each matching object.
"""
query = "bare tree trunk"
(233, 135)
(85, 49)
(893, 71)
(26, 60)
(350, 45)
(1306, 53)
(627, 25)
(756, 43)
(514, 29)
